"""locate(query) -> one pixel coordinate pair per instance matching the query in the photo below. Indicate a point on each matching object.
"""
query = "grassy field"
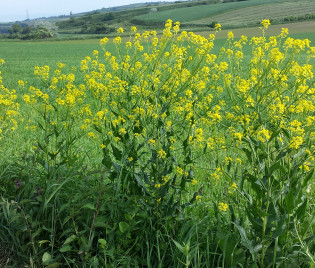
(166, 151)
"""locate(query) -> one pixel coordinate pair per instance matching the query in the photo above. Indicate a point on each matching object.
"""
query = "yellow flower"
(194, 182)
(296, 142)
(103, 41)
(230, 35)
(217, 27)
(265, 23)
(122, 131)
(92, 135)
(151, 142)
(223, 206)
(120, 30)
(162, 154)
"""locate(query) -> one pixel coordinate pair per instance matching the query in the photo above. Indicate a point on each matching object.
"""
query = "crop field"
(159, 150)
(235, 14)
(252, 15)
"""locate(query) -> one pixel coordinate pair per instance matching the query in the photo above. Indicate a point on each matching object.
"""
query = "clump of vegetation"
(164, 152)
(41, 30)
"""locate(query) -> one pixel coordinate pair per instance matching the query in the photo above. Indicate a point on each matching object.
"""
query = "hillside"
(236, 14)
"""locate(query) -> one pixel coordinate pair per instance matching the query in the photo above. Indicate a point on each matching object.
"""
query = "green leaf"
(70, 239)
(180, 247)
(274, 134)
(246, 242)
(43, 242)
(308, 177)
(116, 152)
(300, 212)
(227, 245)
(46, 258)
(123, 226)
(58, 188)
(248, 154)
(289, 202)
(100, 221)
(274, 167)
(65, 248)
(89, 206)
(102, 242)
(54, 265)
(140, 182)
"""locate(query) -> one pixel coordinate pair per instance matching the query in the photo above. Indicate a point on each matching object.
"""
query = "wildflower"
(91, 134)
(194, 182)
(179, 171)
(151, 142)
(18, 184)
(120, 30)
(265, 23)
(198, 197)
(103, 41)
(162, 154)
(296, 142)
(223, 206)
(122, 131)
(217, 27)
(230, 35)
(263, 135)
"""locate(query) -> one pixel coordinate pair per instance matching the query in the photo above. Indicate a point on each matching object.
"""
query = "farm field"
(235, 14)
(162, 150)
(254, 14)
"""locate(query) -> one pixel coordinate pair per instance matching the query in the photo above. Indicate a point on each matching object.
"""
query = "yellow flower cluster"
(9, 108)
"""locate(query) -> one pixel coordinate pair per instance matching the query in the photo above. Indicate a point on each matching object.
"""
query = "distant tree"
(15, 29)
(26, 30)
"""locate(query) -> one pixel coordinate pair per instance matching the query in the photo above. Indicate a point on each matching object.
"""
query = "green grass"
(22, 57)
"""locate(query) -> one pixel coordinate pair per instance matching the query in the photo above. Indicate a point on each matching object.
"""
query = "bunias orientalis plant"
(274, 105)
(172, 123)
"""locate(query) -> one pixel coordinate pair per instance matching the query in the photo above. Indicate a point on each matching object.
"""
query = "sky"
(13, 10)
